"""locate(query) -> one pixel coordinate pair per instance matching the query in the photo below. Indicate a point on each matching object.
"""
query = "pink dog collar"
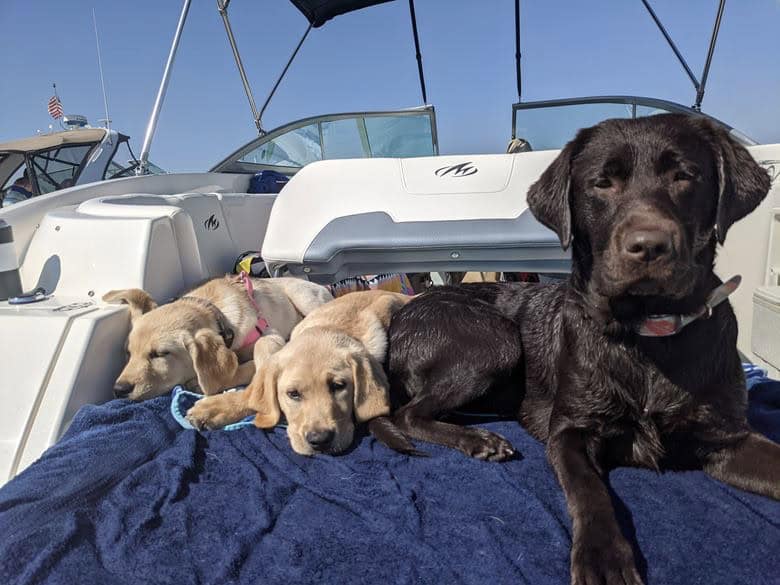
(666, 325)
(261, 325)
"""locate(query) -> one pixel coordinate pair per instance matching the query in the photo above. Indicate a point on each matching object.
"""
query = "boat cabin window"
(549, 125)
(58, 168)
(405, 133)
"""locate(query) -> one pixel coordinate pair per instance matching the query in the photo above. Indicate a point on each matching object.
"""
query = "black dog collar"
(665, 325)
(225, 331)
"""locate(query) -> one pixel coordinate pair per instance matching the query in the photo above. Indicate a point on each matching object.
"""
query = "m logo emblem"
(463, 169)
(211, 223)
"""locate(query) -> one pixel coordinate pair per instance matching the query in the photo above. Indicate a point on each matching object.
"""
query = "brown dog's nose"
(122, 389)
(320, 439)
(647, 245)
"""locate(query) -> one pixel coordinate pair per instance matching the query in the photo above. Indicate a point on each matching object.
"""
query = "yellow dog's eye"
(157, 354)
(294, 395)
(337, 386)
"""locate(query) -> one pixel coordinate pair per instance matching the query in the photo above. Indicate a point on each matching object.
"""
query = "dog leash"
(262, 324)
(666, 325)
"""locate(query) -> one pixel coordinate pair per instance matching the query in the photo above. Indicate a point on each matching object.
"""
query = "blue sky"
(365, 61)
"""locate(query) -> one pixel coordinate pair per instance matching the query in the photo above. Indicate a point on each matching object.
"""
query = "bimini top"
(44, 141)
(318, 12)
(341, 218)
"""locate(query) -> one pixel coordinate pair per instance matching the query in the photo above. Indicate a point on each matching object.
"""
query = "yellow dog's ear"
(136, 299)
(261, 394)
(372, 395)
(215, 365)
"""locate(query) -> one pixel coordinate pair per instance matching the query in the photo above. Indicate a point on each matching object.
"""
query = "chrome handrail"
(152, 126)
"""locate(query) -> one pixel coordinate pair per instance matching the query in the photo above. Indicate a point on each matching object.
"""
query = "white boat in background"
(75, 156)
(369, 194)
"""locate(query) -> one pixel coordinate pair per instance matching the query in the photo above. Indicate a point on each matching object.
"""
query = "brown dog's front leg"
(600, 553)
(752, 465)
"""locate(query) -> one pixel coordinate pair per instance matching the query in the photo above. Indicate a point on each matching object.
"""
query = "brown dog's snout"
(122, 389)
(320, 440)
(648, 245)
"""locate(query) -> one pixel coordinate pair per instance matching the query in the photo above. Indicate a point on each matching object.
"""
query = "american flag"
(55, 107)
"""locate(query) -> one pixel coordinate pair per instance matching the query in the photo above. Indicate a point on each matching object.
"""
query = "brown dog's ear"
(261, 395)
(215, 365)
(136, 299)
(372, 396)
(549, 197)
(742, 182)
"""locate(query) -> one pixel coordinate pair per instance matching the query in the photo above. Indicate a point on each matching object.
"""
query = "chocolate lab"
(633, 361)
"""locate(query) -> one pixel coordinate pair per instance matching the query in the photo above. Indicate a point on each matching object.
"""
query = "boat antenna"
(141, 169)
(517, 53)
(417, 49)
(698, 85)
(100, 68)
(222, 7)
(279, 80)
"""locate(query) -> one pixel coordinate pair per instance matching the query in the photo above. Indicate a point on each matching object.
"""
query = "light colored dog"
(206, 338)
(326, 378)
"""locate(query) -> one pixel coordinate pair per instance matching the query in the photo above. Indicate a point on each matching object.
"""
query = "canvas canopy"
(318, 12)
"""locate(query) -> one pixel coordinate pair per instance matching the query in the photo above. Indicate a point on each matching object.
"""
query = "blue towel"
(129, 497)
(182, 400)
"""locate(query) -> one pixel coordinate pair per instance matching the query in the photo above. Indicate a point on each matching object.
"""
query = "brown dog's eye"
(337, 386)
(294, 395)
(602, 183)
(157, 354)
(684, 176)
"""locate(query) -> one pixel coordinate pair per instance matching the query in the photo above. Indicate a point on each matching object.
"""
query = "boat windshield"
(404, 133)
(124, 162)
(549, 125)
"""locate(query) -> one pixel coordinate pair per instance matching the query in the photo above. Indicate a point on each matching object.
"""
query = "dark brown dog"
(644, 202)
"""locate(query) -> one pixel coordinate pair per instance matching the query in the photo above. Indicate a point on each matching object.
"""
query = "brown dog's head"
(323, 382)
(169, 345)
(644, 202)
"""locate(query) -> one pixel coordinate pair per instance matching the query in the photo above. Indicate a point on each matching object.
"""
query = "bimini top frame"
(699, 85)
(317, 12)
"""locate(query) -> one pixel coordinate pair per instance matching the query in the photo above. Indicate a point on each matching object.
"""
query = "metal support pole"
(417, 49)
(517, 52)
(710, 52)
(222, 6)
(284, 72)
(152, 126)
(672, 45)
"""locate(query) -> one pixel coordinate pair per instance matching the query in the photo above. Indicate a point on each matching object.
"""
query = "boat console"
(445, 213)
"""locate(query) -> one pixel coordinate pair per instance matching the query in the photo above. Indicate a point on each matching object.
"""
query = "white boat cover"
(341, 218)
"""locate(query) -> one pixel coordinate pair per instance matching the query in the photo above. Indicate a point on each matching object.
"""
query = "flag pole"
(54, 85)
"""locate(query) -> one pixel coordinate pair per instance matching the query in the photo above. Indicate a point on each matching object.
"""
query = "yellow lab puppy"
(200, 339)
(326, 378)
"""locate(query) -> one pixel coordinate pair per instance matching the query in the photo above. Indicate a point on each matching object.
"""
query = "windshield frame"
(631, 100)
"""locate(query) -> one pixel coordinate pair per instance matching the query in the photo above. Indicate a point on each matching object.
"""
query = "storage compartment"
(766, 324)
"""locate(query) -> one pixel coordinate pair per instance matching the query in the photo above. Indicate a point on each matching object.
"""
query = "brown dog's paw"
(207, 414)
(489, 446)
(604, 560)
